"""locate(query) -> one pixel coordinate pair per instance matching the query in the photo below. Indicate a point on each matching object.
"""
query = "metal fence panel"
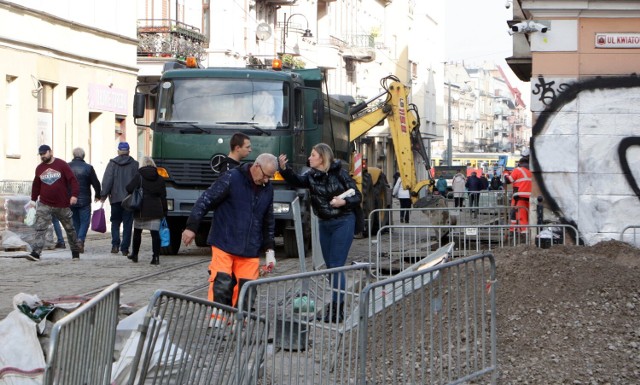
(190, 341)
(306, 343)
(396, 247)
(631, 235)
(437, 325)
(82, 343)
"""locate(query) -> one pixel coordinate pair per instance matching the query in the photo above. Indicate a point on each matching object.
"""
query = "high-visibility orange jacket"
(521, 179)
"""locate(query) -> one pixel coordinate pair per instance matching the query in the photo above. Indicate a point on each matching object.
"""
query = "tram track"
(129, 281)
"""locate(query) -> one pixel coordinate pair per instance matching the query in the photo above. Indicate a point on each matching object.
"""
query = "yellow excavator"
(404, 126)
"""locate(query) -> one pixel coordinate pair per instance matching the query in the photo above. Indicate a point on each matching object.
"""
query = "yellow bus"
(485, 161)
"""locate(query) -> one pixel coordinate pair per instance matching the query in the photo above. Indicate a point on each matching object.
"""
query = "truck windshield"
(224, 103)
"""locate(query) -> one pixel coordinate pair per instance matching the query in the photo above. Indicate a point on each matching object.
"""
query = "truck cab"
(196, 111)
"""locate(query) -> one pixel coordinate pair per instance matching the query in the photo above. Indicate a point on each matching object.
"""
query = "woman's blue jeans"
(336, 236)
(81, 218)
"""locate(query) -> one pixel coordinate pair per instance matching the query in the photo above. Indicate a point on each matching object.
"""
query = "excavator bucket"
(437, 217)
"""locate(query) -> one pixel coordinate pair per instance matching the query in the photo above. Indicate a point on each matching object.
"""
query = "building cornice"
(66, 23)
(62, 55)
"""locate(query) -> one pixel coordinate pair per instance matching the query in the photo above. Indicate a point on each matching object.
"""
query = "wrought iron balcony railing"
(169, 38)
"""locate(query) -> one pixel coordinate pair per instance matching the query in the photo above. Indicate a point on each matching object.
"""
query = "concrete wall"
(586, 137)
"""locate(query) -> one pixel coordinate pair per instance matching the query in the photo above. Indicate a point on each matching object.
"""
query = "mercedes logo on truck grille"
(216, 162)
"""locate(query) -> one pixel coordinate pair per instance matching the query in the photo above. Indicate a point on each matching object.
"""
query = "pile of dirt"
(569, 314)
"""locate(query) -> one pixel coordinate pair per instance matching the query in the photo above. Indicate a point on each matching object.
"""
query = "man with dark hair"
(117, 175)
(240, 148)
(87, 178)
(56, 188)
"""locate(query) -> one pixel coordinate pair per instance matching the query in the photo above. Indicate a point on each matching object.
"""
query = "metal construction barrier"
(312, 332)
(446, 217)
(486, 198)
(432, 323)
(631, 235)
(398, 246)
(436, 326)
(191, 341)
(82, 343)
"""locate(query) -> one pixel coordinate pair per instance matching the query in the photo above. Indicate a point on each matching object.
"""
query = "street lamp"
(285, 30)
(449, 124)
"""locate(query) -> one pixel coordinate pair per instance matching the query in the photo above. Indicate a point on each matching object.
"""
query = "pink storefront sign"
(103, 98)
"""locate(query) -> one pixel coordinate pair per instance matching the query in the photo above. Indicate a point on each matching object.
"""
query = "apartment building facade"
(69, 74)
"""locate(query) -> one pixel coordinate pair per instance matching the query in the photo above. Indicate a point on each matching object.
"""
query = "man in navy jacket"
(243, 226)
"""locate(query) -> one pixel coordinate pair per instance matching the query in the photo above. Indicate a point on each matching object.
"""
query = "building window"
(44, 127)
(12, 138)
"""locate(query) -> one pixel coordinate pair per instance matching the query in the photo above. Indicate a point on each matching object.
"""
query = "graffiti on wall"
(585, 149)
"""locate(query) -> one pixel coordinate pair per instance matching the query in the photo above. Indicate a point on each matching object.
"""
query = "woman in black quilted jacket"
(153, 209)
(326, 180)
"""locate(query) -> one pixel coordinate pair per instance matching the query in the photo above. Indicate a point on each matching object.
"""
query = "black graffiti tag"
(546, 91)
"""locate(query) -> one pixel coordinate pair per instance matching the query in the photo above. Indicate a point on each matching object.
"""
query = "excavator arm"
(404, 124)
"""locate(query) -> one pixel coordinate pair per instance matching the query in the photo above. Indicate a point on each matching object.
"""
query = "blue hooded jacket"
(243, 223)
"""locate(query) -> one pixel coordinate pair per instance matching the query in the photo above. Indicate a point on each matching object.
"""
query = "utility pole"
(449, 141)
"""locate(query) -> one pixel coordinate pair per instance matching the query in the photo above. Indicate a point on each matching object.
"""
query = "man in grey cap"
(119, 172)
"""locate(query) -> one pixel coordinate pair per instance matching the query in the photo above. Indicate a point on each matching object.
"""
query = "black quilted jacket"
(323, 187)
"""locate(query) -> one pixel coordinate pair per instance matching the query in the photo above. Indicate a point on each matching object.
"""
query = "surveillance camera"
(519, 27)
(507, 5)
(537, 27)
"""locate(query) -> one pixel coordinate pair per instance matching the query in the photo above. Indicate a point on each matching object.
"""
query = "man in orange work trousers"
(243, 226)
(521, 180)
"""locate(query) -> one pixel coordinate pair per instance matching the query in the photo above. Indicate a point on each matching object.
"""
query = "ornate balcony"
(169, 38)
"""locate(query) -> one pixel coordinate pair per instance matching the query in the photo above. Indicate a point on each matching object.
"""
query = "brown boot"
(81, 246)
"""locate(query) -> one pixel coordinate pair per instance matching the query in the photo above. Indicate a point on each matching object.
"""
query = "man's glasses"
(263, 173)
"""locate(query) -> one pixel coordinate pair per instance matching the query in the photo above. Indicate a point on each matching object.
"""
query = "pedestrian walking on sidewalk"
(55, 188)
(153, 209)
(87, 178)
(118, 173)
(243, 226)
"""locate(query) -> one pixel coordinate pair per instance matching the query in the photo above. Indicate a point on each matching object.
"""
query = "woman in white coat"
(459, 189)
(405, 200)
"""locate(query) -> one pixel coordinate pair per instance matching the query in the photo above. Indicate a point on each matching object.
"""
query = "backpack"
(495, 183)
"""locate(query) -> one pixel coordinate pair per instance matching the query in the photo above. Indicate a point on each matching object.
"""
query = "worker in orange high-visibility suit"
(520, 177)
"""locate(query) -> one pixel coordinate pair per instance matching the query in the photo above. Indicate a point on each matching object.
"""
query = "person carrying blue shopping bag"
(153, 209)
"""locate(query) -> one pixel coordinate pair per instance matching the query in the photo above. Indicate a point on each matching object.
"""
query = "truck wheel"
(176, 225)
(290, 244)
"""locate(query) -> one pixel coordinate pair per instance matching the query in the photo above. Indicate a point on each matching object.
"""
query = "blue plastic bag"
(165, 236)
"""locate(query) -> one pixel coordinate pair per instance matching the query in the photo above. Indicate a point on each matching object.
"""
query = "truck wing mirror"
(138, 105)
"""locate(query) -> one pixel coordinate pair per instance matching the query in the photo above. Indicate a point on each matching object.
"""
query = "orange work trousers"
(239, 268)
(521, 217)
